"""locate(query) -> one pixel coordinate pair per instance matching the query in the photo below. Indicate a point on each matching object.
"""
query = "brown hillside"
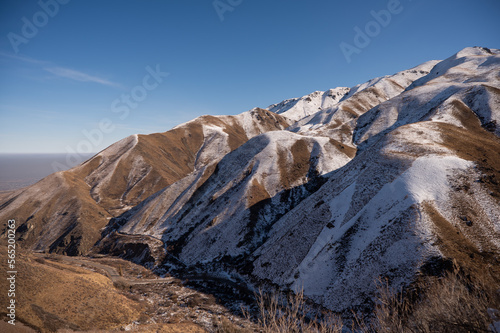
(65, 212)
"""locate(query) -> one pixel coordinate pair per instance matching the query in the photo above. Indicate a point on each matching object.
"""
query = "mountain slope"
(424, 189)
(262, 180)
(66, 211)
(397, 207)
(428, 168)
(220, 211)
(327, 192)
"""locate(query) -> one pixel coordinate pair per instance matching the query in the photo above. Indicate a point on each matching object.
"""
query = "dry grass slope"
(59, 296)
(453, 303)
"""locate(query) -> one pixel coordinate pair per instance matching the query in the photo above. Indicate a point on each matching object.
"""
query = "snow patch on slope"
(426, 179)
(298, 108)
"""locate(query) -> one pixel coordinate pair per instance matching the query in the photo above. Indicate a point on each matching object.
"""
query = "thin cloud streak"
(79, 76)
(67, 73)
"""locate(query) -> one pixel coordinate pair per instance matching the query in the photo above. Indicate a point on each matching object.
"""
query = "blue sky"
(69, 76)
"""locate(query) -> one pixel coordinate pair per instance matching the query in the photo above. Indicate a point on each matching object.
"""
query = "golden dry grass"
(288, 314)
(256, 193)
(297, 168)
(59, 213)
(453, 303)
(17, 328)
(349, 151)
(58, 296)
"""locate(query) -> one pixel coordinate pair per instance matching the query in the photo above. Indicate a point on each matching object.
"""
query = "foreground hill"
(394, 178)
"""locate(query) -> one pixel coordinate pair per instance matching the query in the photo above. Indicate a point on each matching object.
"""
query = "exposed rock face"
(327, 192)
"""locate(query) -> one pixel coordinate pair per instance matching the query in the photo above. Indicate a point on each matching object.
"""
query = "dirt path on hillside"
(111, 272)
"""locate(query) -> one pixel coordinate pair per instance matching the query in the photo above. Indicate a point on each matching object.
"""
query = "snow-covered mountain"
(299, 108)
(327, 192)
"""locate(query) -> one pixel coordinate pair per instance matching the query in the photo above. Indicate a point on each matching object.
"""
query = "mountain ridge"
(325, 192)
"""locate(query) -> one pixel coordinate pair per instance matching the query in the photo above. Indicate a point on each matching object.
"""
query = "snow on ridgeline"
(326, 192)
(298, 108)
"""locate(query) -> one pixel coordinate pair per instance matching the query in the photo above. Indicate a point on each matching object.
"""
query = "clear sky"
(67, 70)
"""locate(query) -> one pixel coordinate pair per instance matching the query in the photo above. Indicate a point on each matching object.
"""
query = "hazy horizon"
(19, 170)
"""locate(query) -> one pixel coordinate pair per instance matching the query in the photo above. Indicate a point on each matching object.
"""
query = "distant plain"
(20, 170)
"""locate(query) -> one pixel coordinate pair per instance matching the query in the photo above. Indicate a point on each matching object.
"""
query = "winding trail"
(111, 272)
(213, 281)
